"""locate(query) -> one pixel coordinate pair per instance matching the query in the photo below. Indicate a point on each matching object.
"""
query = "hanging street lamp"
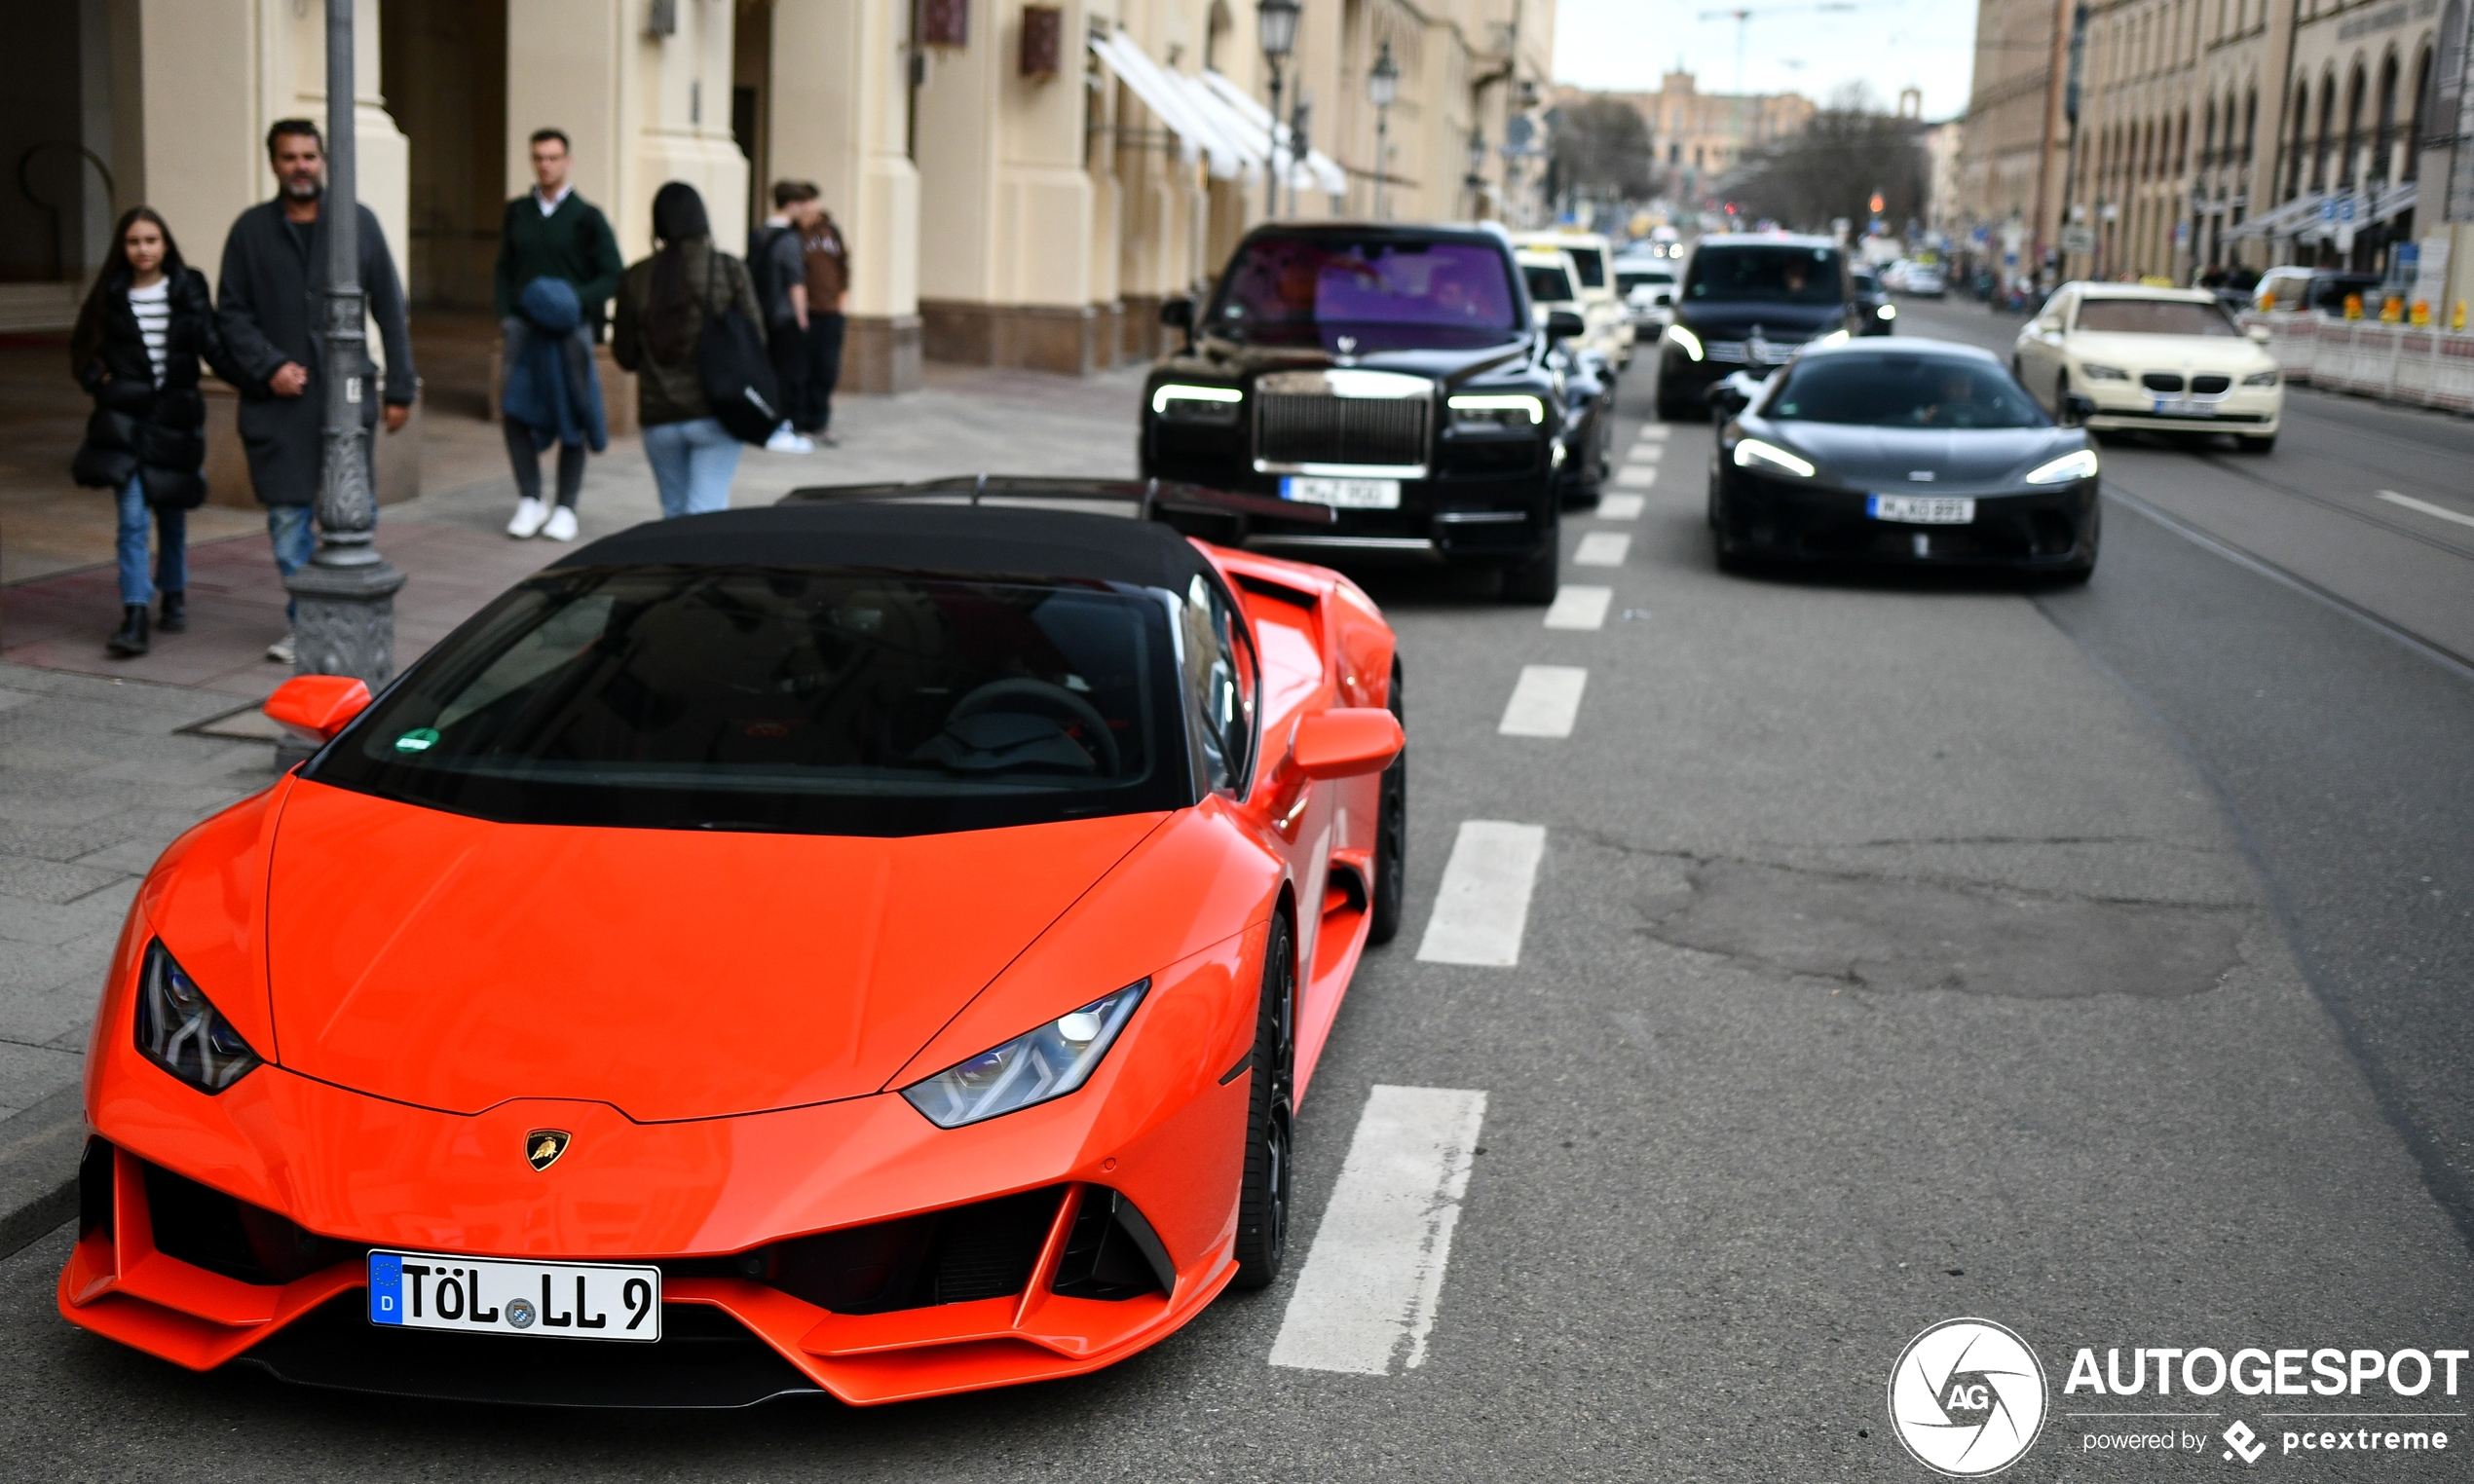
(1276, 24)
(1382, 86)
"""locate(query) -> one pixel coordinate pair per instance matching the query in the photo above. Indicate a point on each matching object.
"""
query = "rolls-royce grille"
(1306, 429)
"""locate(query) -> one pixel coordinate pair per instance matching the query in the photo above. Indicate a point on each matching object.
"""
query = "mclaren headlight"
(179, 1029)
(1213, 405)
(1046, 1061)
(1769, 459)
(2068, 468)
(1684, 339)
(1480, 411)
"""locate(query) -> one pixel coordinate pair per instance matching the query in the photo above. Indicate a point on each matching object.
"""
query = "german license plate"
(2183, 407)
(1922, 509)
(484, 1295)
(1342, 494)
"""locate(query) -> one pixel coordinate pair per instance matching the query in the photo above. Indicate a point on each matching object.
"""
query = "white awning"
(1202, 131)
(2301, 218)
(1320, 171)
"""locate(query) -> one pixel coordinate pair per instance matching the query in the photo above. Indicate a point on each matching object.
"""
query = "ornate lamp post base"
(346, 621)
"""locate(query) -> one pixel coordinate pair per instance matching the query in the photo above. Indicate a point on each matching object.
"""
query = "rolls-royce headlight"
(1888, 311)
(1769, 458)
(1487, 410)
(2068, 468)
(179, 1029)
(1213, 405)
(1836, 336)
(1043, 1063)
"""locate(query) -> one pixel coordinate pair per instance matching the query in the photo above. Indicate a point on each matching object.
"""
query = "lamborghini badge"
(543, 1146)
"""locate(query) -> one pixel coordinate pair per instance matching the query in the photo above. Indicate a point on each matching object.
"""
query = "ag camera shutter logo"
(1966, 1398)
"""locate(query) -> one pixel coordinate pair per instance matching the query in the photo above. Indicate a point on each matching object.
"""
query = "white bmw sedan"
(2123, 355)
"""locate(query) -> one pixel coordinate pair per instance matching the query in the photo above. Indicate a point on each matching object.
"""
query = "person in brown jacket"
(828, 283)
(662, 304)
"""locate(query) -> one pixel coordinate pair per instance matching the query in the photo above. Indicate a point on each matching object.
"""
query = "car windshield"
(1629, 279)
(1864, 281)
(1382, 292)
(1590, 266)
(2155, 316)
(1902, 391)
(1549, 283)
(796, 700)
(1768, 274)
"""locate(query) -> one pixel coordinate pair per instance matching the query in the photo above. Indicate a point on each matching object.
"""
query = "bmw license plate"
(2183, 407)
(1342, 494)
(1922, 509)
(484, 1295)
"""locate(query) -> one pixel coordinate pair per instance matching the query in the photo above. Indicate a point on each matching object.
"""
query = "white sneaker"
(561, 526)
(529, 515)
(281, 651)
(785, 441)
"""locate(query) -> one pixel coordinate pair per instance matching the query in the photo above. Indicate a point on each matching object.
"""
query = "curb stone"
(39, 1149)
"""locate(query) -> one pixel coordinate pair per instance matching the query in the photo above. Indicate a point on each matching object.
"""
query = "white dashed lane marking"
(1646, 453)
(1602, 549)
(1636, 476)
(1580, 607)
(1618, 507)
(1654, 432)
(2426, 507)
(1545, 702)
(1367, 1298)
(1483, 907)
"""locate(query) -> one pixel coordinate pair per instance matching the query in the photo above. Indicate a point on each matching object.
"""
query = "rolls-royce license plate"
(1342, 494)
(486, 1295)
(1922, 509)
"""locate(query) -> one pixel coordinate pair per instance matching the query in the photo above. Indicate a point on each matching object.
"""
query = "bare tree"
(1851, 151)
(1601, 149)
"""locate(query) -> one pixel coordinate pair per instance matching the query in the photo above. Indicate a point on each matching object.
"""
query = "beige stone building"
(1020, 183)
(2014, 149)
(1699, 136)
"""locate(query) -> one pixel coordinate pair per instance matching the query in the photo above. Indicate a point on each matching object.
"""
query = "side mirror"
(2260, 334)
(1178, 314)
(1564, 324)
(1733, 394)
(317, 706)
(1349, 742)
(2078, 409)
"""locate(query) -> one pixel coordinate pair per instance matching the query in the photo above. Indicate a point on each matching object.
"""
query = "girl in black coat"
(138, 341)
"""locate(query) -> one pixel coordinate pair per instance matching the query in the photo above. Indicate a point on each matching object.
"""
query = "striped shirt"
(153, 309)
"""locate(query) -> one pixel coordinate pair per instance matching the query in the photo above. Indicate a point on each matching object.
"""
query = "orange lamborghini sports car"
(864, 946)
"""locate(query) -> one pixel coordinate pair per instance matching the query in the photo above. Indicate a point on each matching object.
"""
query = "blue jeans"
(294, 531)
(171, 552)
(692, 463)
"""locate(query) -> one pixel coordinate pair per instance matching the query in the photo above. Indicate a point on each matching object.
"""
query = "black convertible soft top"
(982, 541)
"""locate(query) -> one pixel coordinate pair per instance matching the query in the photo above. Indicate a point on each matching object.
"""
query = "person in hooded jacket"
(144, 328)
(552, 395)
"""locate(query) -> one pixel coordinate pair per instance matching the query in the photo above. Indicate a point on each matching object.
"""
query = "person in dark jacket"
(268, 300)
(663, 302)
(551, 232)
(144, 327)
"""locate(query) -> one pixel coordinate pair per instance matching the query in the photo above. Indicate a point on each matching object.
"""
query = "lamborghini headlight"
(1509, 411)
(1769, 458)
(179, 1030)
(2068, 468)
(1214, 405)
(1041, 1063)
(1685, 341)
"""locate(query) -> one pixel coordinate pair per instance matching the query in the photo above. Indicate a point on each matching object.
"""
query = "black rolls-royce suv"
(1398, 375)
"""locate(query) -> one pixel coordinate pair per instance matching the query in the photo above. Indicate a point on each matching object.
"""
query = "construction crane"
(1742, 16)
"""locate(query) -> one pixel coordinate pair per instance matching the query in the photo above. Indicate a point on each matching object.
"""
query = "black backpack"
(738, 374)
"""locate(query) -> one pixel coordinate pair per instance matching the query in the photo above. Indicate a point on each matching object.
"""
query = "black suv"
(1748, 304)
(1393, 374)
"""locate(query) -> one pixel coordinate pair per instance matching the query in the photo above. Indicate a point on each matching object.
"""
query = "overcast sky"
(1885, 44)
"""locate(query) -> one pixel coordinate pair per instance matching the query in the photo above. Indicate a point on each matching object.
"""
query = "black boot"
(130, 639)
(175, 619)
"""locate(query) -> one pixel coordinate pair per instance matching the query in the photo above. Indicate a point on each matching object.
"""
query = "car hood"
(1961, 460)
(1217, 357)
(455, 963)
(1785, 324)
(2170, 353)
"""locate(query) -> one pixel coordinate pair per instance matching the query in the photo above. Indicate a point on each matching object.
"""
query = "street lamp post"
(1301, 114)
(1382, 86)
(1275, 23)
(346, 594)
(1476, 178)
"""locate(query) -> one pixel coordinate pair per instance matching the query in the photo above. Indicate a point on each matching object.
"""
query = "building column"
(1005, 207)
(836, 113)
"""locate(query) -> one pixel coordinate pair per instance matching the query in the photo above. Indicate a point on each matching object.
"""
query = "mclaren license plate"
(1342, 494)
(1922, 509)
(487, 1295)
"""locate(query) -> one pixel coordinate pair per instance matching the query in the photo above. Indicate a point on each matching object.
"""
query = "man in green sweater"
(551, 232)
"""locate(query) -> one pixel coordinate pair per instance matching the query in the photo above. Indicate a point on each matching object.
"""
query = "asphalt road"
(2091, 961)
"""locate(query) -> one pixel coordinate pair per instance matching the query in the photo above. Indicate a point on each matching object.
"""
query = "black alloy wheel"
(1390, 834)
(1535, 580)
(2061, 402)
(1262, 1200)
